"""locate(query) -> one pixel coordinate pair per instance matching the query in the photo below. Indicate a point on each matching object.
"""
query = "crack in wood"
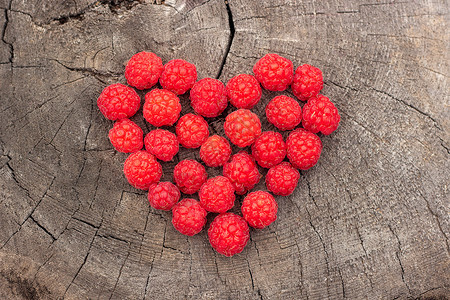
(397, 255)
(230, 39)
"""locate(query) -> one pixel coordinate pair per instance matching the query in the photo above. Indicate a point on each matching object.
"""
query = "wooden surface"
(369, 221)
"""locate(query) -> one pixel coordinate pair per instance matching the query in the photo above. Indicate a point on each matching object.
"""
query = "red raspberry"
(163, 196)
(259, 209)
(209, 97)
(161, 107)
(217, 194)
(303, 148)
(243, 91)
(242, 127)
(143, 70)
(192, 131)
(269, 149)
(189, 175)
(118, 101)
(228, 234)
(282, 179)
(188, 217)
(142, 170)
(215, 151)
(320, 114)
(126, 136)
(178, 76)
(242, 172)
(307, 83)
(274, 72)
(284, 112)
(161, 143)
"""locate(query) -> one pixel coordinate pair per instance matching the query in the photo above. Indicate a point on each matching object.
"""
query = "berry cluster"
(229, 232)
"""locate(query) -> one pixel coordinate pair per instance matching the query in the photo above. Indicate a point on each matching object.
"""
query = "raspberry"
(320, 114)
(243, 91)
(274, 72)
(192, 131)
(282, 179)
(208, 97)
(118, 101)
(228, 234)
(259, 209)
(188, 217)
(161, 143)
(161, 107)
(143, 70)
(284, 112)
(142, 170)
(242, 127)
(126, 136)
(242, 172)
(215, 151)
(217, 194)
(307, 83)
(303, 148)
(269, 149)
(189, 175)
(178, 76)
(163, 196)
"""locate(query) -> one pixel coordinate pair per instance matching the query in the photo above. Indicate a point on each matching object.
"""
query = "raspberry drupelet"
(142, 170)
(307, 83)
(118, 101)
(242, 172)
(217, 194)
(143, 70)
(208, 97)
(284, 112)
(188, 217)
(274, 72)
(320, 114)
(163, 195)
(259, 209)
(282, 179)
(303, 148)
(126, 136)
(243, 91)
(228, 234)
(178, 76)
(215, 151)
(269, 149)
(162, 143)
(242, 127)
(161, 107)
(189, 175)
(192, 131)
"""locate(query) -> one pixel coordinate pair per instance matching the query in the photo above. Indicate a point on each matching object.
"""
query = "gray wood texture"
(369, 221)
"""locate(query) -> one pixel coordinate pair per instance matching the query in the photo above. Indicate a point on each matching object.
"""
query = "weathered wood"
(370, 221)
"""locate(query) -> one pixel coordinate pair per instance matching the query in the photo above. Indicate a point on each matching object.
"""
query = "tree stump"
(369, 221)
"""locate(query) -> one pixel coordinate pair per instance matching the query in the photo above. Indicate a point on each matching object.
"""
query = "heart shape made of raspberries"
(228, 232)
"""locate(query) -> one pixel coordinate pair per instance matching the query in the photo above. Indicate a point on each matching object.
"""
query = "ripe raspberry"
(243, 91)
(217, 194)
(208, 97)
(303, 148)
(242, 127)
(178, 76)
(192, 131)
(126, 136)
(118, 101)
(320, 114)
(282, 179)
(161, 143)
(307, 83)
(143, 70)
(188, 217)
(242, 172)
(274, 72)
(142, 170)
(163, 196)
(228, 234)
(189, 175)
(259, 209)
(269, 149)
(215, 151)
(284, 112)
(161, 107)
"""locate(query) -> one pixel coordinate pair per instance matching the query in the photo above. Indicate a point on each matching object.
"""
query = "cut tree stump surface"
(369, 221)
